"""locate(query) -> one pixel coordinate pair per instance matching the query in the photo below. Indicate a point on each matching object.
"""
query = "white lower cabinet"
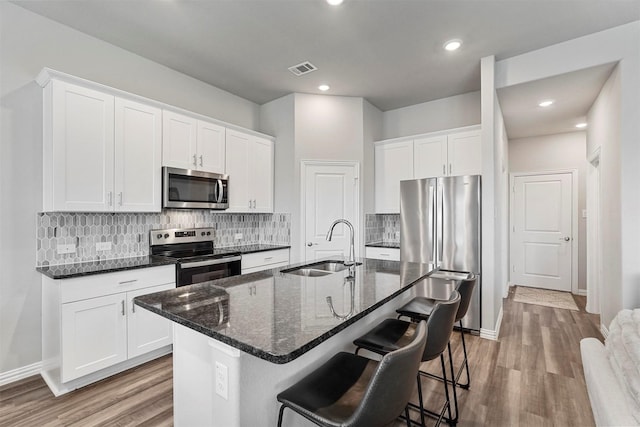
(265, 260)
(391, 254)
(91, 328)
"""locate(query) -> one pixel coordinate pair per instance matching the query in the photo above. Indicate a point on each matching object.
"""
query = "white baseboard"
(20, 373)
(582, 292)
(491, 334)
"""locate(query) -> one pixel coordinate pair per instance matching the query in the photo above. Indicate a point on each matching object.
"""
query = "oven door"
(190, 272)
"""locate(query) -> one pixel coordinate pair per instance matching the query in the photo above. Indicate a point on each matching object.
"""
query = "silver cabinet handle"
(444, 171)
(126, 282)
(249, 203)
(449, 168)
(195, 160)
(254, 203)
(123, 313)
(110, 196)
(133, 307)
(200, 159)
(120, 199)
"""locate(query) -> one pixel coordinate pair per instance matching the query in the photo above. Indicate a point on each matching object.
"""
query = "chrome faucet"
(352, 252)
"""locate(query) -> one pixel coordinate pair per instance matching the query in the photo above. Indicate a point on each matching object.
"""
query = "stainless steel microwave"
(191, 189)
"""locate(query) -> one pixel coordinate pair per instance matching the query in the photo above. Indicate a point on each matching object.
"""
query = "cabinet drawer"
(80, 288)
(383, 253)
(266, 259)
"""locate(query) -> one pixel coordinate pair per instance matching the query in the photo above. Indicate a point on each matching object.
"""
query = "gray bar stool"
(392, 334)
(351, 390)
(420, 308)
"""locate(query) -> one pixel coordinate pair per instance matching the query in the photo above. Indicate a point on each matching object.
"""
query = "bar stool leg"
(446, 390)
(420, 401)
(466, 362)
(280, 415)
(453, 384)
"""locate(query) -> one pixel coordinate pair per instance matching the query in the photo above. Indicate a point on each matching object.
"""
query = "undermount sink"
(318, 269)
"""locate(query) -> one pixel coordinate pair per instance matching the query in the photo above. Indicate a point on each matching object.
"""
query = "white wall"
(620, 242)
(447, 113)
(551, 153)
(604, 133)
(29, 42)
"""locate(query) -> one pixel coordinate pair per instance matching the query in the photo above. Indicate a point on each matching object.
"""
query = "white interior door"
(541, 237)
(330, 192)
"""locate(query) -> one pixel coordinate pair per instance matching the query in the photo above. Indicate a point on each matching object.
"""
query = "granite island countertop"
(278, 316)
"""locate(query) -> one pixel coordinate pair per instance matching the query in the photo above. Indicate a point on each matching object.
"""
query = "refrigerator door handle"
(432, 199)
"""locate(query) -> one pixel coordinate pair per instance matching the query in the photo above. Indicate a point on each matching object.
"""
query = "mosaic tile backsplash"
(129, 232)
(382, 228)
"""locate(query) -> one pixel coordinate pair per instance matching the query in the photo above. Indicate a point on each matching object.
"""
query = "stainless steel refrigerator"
(440, 221)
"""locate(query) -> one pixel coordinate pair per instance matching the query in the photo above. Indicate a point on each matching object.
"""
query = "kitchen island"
(239, 341)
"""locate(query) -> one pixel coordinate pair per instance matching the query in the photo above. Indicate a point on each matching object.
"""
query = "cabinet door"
(465, 153)
(138, 157)
(393, 163)
(178, 140)
(430, 157)
(147, 331)
(82, 149)
(211, 147)
(237, 167)
(94, 335)
(261, 175)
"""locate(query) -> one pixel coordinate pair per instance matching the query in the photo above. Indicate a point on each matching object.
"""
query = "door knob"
(311, 244)
(566, 239)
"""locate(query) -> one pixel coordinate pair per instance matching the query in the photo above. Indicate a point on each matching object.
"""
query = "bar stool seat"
(351, 390)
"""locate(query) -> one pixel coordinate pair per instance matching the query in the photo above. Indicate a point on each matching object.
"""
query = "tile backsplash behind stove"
(128, 233)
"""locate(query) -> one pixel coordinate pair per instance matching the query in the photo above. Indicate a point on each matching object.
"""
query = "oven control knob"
(208, 233)
(202, 233)
(159, 236)
(166, 235)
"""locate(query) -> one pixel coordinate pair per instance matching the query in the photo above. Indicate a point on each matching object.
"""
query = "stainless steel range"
(196, 258)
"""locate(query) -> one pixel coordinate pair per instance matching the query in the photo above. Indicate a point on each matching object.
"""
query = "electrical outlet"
(103, 246)
(397, 234)
(222, 380)
(66, 249)
(238, 236)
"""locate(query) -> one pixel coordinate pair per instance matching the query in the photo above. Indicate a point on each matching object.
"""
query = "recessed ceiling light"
(452, 45)
(324, 87)
(546, 103)
(335, 2)
(581, 125)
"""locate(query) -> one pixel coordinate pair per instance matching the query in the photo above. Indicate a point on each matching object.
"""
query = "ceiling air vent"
(303, 68)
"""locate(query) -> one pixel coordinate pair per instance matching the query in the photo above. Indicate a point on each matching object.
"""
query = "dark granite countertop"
(67, 271)
(278, 316)
(388, 245)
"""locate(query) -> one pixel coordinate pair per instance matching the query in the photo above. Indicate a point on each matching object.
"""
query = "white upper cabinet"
(430, 156)
(393, 163)
(452, 153)
(464, 152)
(138, 156)
(78, 148)
(101, 152)
(189, 143)
(249, 164)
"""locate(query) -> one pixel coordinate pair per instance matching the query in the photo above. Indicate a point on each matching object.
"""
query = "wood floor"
(531, 376)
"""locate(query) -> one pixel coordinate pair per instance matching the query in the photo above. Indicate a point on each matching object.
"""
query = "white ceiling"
(573, 94)
(387, 51)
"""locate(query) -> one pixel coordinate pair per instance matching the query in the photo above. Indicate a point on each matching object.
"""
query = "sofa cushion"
(623, 352)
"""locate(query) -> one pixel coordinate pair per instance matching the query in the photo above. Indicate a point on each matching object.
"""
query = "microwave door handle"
(215, 192)
(220, 191)
(195, 264)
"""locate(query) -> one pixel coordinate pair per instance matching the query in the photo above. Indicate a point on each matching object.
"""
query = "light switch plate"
(103, 246)
(66, 249)
(238, 236)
